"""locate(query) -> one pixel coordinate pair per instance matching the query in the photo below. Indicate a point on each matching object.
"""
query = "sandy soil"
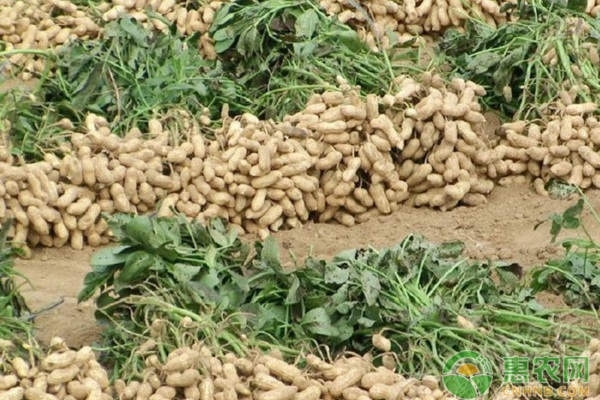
(500, 229)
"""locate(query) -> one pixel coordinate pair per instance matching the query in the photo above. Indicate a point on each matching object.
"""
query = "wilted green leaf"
(136, 268)
(184, 272)
(91, 283)
(294, 294)
(135, 30)
(335, 274)
(371, 287)
(270, 252)
(318, 322)
(306, 24)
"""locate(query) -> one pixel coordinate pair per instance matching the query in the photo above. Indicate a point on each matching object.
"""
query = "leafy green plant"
(14, 327)
(513, 56)
(12, 302)
(576, 276)
(291, 49)
(419, 293)
(166, 270)
(129, 75)
(269, 67)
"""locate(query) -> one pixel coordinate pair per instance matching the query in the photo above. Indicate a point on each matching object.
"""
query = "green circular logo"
(467, 375)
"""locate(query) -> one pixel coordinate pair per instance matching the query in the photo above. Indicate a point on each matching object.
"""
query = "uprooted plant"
(576, 275)
(426, 299)
(548, 53)
(15, 329)
(130, 74)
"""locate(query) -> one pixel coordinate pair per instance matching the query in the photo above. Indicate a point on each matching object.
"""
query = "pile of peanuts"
(41, 24)
(62, 374)
(423, 146)
(343, 158)
(376, 19)
(188, 21)
(565, 147)
(44, 24)
(34, 24)
(194, 373)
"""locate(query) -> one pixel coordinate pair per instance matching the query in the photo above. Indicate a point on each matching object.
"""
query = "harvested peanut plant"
(429, 301)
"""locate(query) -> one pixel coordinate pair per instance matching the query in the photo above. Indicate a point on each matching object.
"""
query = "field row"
(343, 158)
(196, 374)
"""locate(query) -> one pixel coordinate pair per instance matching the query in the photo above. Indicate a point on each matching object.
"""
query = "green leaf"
(248, 42)
(370, 286)
(210, 278)
(242, 283)
(184, 272)
(346, 255)
(558, 189)
(335, 274)
(166, 233)
(224, 39)
(557, 224)
(232, 236)
(91, 85)
(484, 62)
(535, 306)
(207, 293)
(91, 283)
(231, 297)
(135, 30)
(509, 274)
(223, 45)
(453, 249)
(571, 216)
(306, 23)
(104, 259)
(219, 238)
(269, 316)
(570, 219)
(199, 87)
(341, 295)
(345, 331)
(270, 253)
(140, 230)
(346, 307)
(304, 49)
(104, 300)
(294, 295)
(366, 322)
(211, 258)
(317, 321)
(136, 268)
(540, 279)
(507, 7)
(350, 39)
(222, 16)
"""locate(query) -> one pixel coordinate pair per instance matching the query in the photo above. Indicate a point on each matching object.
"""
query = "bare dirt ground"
(500, 229)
